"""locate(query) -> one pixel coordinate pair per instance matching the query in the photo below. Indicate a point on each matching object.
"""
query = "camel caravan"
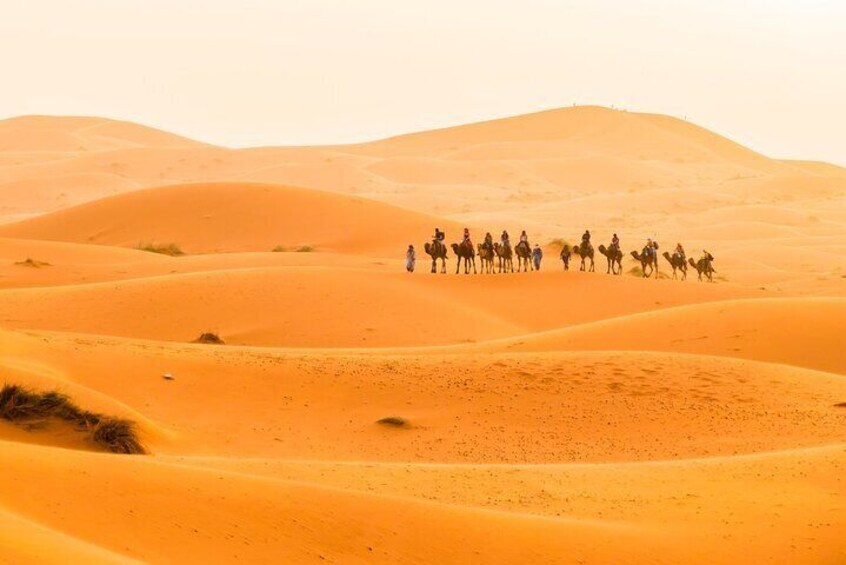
(498, 257)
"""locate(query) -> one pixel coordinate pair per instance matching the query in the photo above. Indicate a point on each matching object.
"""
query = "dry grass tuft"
(23, 406)
(118, 436)
(33, 263)
(210, 338)
(171, 249)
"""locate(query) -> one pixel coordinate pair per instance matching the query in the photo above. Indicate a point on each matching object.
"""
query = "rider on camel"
(524, 239)
(615, 243)
(439, 236)
(467, 241)
(680, 252)
(650, 247)
(489, 241)
(586, 240)
(506, 241)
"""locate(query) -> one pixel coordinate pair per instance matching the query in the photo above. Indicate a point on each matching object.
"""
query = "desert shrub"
(210, 338)
(394, 421)
(34, 263)
(118, 436)
(305, 249)
(171, 249)
(19, 404)
(280, 249)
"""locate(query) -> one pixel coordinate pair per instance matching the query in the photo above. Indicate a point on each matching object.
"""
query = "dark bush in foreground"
(18, 404)
(118, 436)
(211, 338)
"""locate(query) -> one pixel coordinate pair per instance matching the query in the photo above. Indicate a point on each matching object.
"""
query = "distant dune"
(65, 133)
(227, 217)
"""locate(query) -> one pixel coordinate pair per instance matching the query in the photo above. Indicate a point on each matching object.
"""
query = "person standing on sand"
(537, 255)
(565, 256)
(410, 259)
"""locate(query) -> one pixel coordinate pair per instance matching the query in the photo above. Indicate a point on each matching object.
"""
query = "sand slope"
(524, 409)
(549, 417)
(208, 218)
(806, 332)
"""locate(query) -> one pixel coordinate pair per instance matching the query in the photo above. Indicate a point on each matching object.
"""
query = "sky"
(770, 74)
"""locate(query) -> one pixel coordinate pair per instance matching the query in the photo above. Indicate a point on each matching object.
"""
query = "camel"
(437, 250)
(524, 256)
(504, 254)
(615, 259)
(677, 263)
(467, 253)
(486, 256)
(704, 266)
(585, 251)
(647, 260)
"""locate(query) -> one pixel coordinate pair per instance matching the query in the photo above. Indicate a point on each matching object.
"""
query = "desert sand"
(549, 417)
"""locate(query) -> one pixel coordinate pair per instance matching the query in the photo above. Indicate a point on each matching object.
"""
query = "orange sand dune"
(540, 408)
(24, 541)
(59, 263)
(806, 332)
(62, 133)
(592, 129)
(671, 496)
(553, 173)
(259, 520)
(332, 306)
(209, 218)
(260, 413)
(546, 417)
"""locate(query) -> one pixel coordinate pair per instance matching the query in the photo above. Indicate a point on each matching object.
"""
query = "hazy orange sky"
(767, 73)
